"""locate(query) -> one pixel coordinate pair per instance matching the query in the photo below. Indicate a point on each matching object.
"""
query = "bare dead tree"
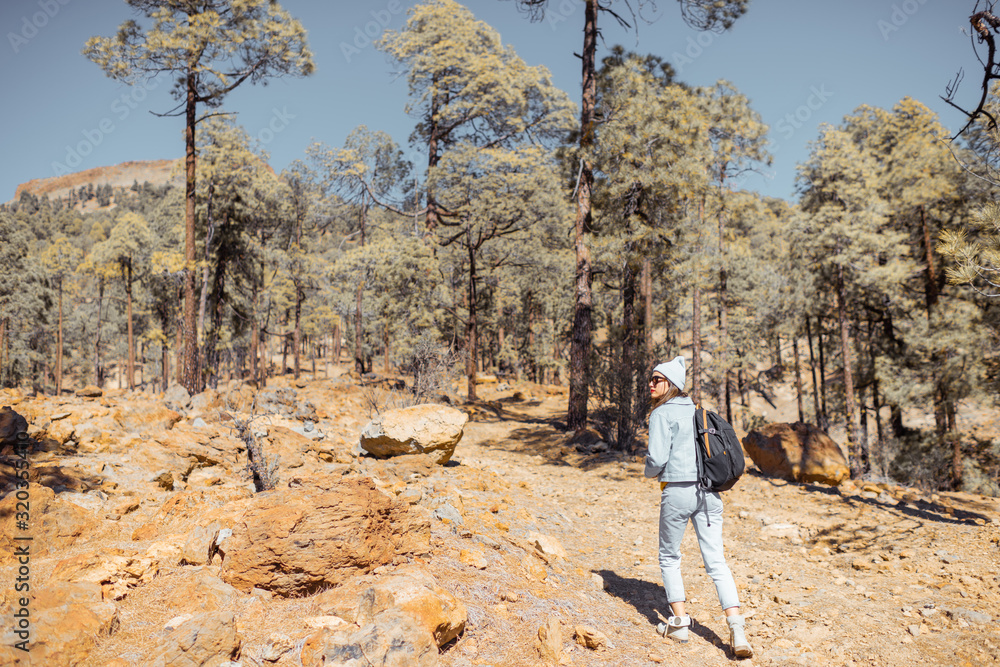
(985, 25)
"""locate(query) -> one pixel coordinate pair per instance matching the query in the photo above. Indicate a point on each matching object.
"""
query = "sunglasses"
(656, 380)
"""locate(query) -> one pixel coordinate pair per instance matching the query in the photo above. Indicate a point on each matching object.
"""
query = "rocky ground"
(524, 549)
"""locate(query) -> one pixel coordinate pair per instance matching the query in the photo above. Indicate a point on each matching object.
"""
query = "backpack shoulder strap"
(698, 431)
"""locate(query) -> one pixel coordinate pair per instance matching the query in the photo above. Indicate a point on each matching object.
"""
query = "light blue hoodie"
(671, 455)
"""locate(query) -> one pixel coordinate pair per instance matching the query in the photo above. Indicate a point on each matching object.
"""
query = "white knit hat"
(673, 370)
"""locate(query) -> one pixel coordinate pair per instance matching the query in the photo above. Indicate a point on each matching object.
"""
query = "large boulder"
(11, 424)
(145, 417)
(797, 452)
(114, 570)
(55, 523)
(320, 532)
(394, 639)
(66, 621)
(420, 429)
(176, 397)
(410, 590)
(208, 639)
(207, 403)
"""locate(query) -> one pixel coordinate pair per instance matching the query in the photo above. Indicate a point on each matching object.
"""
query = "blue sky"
(801, 63)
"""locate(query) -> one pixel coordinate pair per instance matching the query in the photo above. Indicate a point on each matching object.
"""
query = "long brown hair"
(671, 393)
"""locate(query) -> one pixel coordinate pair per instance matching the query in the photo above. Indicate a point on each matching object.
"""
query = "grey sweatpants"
(679, 503)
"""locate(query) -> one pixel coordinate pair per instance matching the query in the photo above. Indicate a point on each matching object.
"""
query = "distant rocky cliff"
(156, 172)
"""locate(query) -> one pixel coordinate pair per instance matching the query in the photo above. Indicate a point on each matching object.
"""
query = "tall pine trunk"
(696, 320)
(165, 363)
(798, 378)
(385, 347)
(825, 423)
(812, 369)
(255, 339)
(432, 217)
(98, 376)
(696, 342)
(646, 281)
(130, 368)
(336, 343)
(212, 342)
(203, 301)
(723, 346)
(471, 332)
(359, 357)
(625, 377)
(579, 379)
(3, 343)
(853, 440)
(190, 329)
(879, 454)
(59, 342)
(931, 279)
(862, 391)
(297, 334)
(956, 450)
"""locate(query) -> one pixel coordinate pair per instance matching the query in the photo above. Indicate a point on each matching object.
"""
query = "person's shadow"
(649, 600)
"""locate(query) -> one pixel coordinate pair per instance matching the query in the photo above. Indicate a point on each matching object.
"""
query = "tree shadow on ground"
(49, 473)
(649, 600)
(918, 509)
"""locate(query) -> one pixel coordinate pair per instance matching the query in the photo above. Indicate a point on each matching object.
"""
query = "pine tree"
(715, 15)
(483, 114)
(211, 47)
(737, 137)
(648, 156)
(61, 259)
(127, 248)
(848, 236)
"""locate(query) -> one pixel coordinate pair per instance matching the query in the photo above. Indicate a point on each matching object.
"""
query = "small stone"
(787, 531)
(321, 622)
(535, 569)
(176, 621)
(262, 594)
(146, 531)
(947, 558)
(550, 640)
(277, 646)
(473, 558)
(968, 615)
(547, 545)
(590, 637)
(165, 480)
(448, 514)
(914, 629)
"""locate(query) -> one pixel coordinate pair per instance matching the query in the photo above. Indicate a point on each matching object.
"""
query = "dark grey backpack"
(720, 454)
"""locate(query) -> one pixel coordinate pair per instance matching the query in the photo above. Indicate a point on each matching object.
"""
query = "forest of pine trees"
(355, 255)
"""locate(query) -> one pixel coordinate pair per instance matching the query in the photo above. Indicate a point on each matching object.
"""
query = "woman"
(672, 460)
